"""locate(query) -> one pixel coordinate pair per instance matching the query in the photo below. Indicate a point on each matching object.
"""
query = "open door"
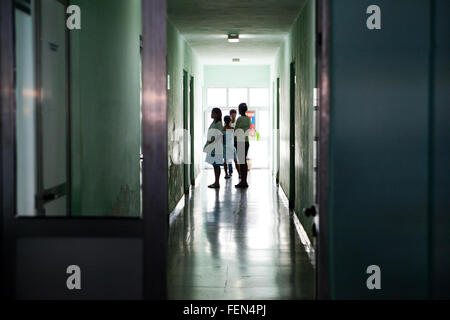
(56, 159)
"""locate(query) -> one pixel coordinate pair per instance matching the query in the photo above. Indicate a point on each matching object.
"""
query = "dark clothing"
(243, 162)
(247, 146)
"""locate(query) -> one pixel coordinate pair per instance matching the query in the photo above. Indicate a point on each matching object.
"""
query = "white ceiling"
(262, 25)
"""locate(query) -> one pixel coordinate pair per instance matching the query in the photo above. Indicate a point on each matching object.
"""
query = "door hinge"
(316, 98)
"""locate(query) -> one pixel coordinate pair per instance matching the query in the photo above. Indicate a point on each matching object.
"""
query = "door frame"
(65, 189)
(186, 130)
(154, 147)
(278, 128)
(323, 46)
(292, 85)
(191, 128)
(152, 226)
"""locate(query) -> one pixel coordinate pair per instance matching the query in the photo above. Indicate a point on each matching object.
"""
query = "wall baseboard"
(182, 202)
(179, 207)
(306, 242)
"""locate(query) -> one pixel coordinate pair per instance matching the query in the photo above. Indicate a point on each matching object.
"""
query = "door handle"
(310, 212)
(51, 194)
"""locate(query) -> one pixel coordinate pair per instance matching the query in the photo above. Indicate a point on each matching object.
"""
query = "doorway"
(191, 129)
(186, 120)
(277, 137)
(154, 149)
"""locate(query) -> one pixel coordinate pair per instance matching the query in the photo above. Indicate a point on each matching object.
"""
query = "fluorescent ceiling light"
(233, 37)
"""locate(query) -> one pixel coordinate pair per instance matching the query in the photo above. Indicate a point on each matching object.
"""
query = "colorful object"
(251, 115)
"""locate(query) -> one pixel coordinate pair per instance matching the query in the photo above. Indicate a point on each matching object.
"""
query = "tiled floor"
(237, 244)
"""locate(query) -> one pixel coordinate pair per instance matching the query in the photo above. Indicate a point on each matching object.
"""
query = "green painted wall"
(388, 146)
(299, 47)
(105, 96)
(226, 76)
(181, 57)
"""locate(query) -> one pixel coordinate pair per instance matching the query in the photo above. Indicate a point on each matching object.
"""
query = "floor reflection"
(237, 244)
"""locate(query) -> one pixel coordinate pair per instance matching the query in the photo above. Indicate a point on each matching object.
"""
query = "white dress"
(229, 146)
(214, 149)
